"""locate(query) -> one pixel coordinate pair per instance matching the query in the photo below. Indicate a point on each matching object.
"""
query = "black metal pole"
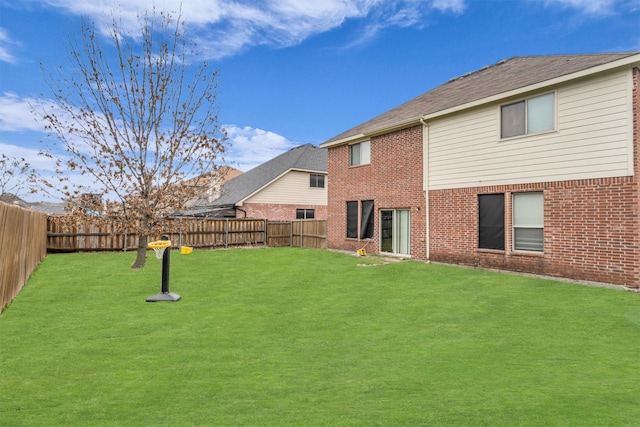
(166, 267)
(165, 295)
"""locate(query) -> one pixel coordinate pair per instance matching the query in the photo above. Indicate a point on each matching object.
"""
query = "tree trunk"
(141, 254)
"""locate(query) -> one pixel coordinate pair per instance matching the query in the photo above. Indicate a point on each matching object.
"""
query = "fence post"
(301, 233)
(226, 233)
(265, 233)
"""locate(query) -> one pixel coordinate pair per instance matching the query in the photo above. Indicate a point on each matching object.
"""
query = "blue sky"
(302, 71)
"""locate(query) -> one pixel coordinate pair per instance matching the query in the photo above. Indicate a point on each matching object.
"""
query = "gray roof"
(12, 199)
(503, 77)
(305, 157)
(49, 208)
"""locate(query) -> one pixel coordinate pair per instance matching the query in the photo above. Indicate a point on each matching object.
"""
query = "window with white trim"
(395, 231)
(528, 116)
(528, 221)
(360, 154)
(316, 180)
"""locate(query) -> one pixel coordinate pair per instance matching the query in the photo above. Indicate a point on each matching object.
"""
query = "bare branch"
(138, 116)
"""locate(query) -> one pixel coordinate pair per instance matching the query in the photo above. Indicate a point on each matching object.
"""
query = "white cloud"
(457, 6)
(5, 47)
(16, 113)
(587, 6)
(251, 147)
(227, 27)
(30, 155)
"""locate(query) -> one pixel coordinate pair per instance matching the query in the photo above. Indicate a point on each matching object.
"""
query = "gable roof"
(500, 80)
(306, 157)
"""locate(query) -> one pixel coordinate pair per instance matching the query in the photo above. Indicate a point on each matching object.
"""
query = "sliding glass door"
(395, 231)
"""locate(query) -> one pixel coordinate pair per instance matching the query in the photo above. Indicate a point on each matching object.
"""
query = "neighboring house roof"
(220, 176)
(503, 79)
(50, 208)
(306, 157)
(210, 185)
(12, 199)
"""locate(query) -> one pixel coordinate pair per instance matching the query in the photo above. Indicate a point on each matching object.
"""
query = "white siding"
(593, 139)
(291, 188)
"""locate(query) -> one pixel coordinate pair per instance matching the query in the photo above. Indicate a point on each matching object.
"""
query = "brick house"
(530, 165)
(289, 186)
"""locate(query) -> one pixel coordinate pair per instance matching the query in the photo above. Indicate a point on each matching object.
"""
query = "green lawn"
(294, 337)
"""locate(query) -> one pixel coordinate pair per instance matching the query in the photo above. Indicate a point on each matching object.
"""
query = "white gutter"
(380, 131)
(342, 141)
(425, 182)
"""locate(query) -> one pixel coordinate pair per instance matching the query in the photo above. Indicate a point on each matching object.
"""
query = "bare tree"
(16, 176)
(139, 124)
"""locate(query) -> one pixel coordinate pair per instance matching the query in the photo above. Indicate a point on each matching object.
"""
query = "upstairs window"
(528, 116)
(360, 154)
(316, 181)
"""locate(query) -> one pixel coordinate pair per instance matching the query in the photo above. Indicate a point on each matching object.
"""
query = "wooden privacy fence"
(23, 244)
(307, 233)
(195, 233)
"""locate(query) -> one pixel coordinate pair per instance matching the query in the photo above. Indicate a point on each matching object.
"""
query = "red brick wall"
(392, 180)
(591, 230)
(278, 212)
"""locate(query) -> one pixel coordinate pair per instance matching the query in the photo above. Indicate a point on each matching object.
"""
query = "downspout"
(241, 210)
(425, 180)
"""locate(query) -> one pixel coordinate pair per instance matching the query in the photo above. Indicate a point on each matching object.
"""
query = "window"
(305, 213)
(491, 221)
(316, 181)
(360, 154)
(528, 116)
(528, 221)
(352, 220)
(363, 228)
(366, 220)
(395, 231)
